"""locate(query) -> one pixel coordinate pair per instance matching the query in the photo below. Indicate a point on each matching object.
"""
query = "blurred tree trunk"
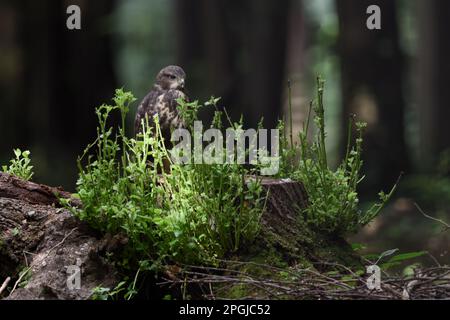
(65, 75)
(432, 88)
(236, 50)
(372, 72)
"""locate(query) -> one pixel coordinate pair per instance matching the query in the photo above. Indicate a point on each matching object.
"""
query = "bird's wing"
(172, 96)
(163, 103)
(147, 108)
(167, 106)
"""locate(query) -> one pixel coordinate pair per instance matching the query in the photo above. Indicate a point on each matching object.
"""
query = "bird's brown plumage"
(162, 100)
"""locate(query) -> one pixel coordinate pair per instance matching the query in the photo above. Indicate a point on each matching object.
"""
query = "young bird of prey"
(162, 100)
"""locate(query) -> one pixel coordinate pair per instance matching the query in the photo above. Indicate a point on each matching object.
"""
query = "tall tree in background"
(62, 76)
(432, 88)
(239, 51)
(372, 72)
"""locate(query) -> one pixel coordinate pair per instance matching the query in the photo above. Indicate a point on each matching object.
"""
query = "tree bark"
(33, 193)
(43, 239)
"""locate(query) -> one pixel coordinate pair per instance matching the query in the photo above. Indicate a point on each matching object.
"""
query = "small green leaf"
(407, 256)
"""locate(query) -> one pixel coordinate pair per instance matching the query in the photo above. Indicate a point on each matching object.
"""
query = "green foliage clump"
(20, 166)
(195, 214)
(333, 198)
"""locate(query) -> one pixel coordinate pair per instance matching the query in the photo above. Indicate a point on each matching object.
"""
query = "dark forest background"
(51, 80)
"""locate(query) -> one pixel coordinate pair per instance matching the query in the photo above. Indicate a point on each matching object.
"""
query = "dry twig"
(343, 283)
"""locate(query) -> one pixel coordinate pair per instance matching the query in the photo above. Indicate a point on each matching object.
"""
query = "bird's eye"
(171, 76)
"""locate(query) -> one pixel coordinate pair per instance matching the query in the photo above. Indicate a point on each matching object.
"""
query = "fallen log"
(12, 187)
(40, 241)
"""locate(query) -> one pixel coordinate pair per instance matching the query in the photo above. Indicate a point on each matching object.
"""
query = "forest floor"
(42, 243)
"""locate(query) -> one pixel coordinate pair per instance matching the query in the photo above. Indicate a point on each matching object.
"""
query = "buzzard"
(162, 100)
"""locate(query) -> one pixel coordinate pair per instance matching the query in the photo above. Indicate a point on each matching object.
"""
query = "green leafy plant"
(195, 214)
(102, 293)
(333, 198)
(20, 166)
